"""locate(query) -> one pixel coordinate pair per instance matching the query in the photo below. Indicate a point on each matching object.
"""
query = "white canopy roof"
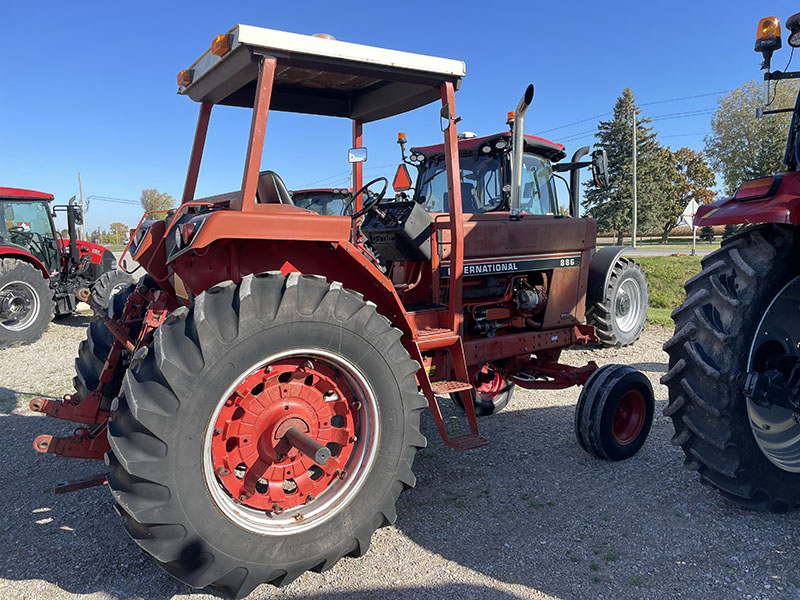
(321, 76)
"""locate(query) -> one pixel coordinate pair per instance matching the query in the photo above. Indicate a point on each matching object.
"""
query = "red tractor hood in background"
(95, 251)
(20, 194)
(782, 207)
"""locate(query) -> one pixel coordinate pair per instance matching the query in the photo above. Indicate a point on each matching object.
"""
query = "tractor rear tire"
(191, 408)
(709, 353)
(614, 412)
(619, 318)
(22, 285)
(92, 354)
(106, 286)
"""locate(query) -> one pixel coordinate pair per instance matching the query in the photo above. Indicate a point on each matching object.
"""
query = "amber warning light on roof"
(768, 34)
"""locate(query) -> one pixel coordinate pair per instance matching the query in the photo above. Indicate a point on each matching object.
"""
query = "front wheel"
(268, 430)
(491, 393)
(107, 286)
(614, 412)
(26, 303)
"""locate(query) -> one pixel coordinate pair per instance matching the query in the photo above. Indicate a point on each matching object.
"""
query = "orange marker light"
(758, 188)
(185, 77)
(221, 44)
(510, 116)
(401, 137)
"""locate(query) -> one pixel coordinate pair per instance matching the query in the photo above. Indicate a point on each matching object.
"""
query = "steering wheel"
(373, 201)
(28, 236)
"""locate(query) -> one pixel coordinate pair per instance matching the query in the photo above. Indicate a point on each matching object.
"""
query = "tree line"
(740, 147)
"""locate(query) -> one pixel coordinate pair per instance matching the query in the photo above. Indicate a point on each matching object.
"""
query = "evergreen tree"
(613, 206)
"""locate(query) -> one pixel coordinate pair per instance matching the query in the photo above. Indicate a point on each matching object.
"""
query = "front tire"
(26, 303)
(708, 356)
(106, 287)
(619, 318)
(204, 404)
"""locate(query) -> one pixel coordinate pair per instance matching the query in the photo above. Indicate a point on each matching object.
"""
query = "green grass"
(665, 278)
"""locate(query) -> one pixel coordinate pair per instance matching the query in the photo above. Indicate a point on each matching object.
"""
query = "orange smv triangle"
(402, 180)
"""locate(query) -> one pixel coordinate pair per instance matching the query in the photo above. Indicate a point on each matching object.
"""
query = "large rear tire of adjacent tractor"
(738, 304)
(207, 405)
(26, 303)
(106, 286)
(92, 354)
(619, 318)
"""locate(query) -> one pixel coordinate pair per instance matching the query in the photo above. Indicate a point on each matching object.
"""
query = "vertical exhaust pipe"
(575, 184)
(516, 151)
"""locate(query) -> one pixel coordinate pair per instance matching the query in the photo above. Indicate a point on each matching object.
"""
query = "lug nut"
(309, 498)
(298, 517)
(353, 439)
(242, 497)
(356, 405)
(217, 430)
(343, 475)
(222, 471)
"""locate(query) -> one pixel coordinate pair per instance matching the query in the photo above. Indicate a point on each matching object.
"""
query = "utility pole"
(633, 228)
(83, 225)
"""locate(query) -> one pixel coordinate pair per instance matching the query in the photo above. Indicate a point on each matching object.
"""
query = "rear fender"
(19, 254)
(782, 207)
(600, 268)
(337, 261)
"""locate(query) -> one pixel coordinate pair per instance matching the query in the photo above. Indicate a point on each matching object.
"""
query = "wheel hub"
(623, 304)
(629, 417)
(775, 347)
(256, 460)
(19, 305)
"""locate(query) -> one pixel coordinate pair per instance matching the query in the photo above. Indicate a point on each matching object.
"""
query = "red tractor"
(616, 299)
(734, 361)
(258, 395)
(42, 274)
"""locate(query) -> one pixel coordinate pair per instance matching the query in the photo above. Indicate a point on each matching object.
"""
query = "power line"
(641, 104)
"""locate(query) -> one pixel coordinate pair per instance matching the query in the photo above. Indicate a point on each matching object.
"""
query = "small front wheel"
(614, 412)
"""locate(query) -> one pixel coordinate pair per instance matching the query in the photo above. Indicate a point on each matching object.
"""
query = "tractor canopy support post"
(258, 127)
(197, 152)
(358, 168)
(454, 316)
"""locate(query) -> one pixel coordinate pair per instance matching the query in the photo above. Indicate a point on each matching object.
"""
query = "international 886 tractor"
(257, 395)
(734, 367)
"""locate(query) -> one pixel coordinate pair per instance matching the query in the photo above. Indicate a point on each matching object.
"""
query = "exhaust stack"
(516, 151)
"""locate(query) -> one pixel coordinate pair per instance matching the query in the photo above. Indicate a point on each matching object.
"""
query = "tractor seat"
(272, 190)
(468, 205)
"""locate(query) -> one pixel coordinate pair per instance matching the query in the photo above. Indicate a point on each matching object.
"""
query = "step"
(435, 338)
(442, 388)
(467, 442)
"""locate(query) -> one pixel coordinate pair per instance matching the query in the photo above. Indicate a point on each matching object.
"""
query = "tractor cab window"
(323, 202)
(481, 185)
(538, 195)
(27, 225)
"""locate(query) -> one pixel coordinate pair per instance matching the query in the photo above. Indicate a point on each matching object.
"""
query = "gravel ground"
(529, 516)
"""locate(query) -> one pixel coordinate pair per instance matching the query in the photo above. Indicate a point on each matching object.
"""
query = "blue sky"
(90, 87)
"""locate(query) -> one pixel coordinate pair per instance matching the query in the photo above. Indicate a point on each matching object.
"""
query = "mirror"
(600, 168)
(444, 117)
(77, 215)
(402, 179)
(357, 155)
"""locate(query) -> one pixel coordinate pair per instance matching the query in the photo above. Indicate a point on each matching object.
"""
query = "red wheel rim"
(490, 384)
(629, 416)
(252, 461)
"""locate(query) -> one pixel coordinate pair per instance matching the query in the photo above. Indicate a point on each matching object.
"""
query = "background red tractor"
(42, 274)
(259, 393)
(734, 368)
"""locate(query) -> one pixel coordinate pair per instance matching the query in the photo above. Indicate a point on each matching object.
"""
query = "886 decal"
(569, 262)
